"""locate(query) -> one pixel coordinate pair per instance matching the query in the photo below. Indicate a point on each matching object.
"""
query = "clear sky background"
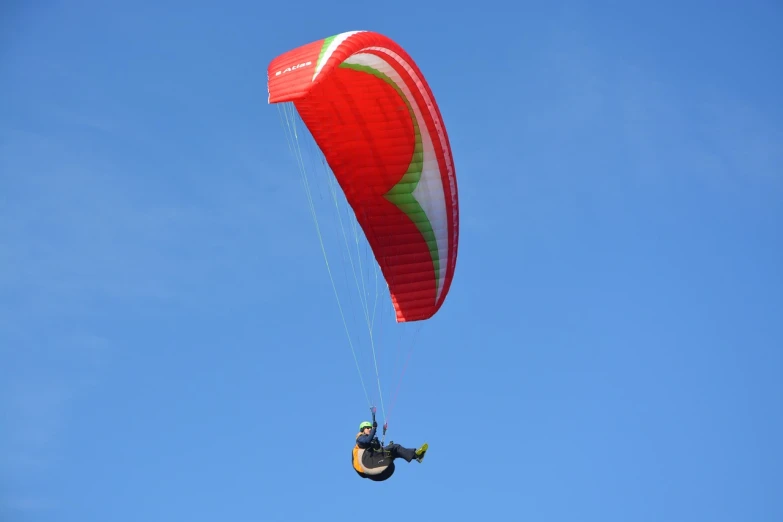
(612, 346)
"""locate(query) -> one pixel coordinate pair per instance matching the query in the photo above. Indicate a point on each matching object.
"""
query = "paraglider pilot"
(373, 461)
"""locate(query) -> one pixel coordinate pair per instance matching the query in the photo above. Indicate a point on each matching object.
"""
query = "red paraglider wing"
(374, 117)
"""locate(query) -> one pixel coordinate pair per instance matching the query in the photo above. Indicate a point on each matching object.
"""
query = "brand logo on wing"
(293, 68)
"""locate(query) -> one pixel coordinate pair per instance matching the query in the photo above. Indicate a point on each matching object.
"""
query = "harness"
(359, 454)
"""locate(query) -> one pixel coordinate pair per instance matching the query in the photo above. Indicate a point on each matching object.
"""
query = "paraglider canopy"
(373, 115)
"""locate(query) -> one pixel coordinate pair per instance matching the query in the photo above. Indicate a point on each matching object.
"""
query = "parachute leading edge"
(373, 116)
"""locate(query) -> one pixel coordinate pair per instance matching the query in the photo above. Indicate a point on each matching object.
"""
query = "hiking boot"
(421, 451)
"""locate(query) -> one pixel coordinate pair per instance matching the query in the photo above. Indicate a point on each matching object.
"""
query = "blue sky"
(612, 346)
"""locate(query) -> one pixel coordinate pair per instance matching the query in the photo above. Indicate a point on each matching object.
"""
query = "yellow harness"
(358, 453)
(357, 463)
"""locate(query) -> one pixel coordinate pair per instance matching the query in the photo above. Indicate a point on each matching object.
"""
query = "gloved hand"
(374, 424)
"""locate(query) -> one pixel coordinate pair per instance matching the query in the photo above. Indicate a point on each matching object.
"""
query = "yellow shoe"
(421, 451)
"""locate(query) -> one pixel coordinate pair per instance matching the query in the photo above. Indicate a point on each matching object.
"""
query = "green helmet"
(365, 424)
